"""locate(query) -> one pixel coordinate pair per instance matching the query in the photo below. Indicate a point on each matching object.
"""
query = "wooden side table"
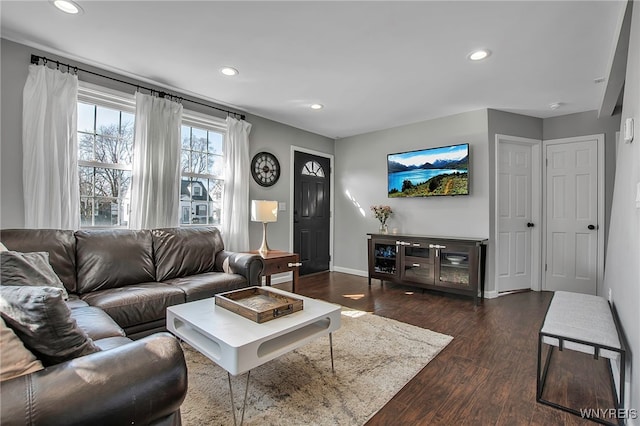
(277, 261)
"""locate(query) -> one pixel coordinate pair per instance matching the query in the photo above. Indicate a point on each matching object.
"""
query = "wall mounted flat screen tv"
(429, 172)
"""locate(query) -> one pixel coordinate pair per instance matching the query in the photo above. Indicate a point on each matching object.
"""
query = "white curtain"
(50, 149)
(155, 186)
(235, 226)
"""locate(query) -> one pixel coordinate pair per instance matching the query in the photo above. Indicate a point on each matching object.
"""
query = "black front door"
(311, 214)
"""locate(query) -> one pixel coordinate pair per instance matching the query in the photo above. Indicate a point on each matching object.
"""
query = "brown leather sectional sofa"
(134, 275)
(120, 283)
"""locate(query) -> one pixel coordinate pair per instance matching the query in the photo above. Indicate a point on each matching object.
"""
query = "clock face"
(265, 169)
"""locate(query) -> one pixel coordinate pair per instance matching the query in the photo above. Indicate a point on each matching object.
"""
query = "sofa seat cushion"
(110, 258)
(181, 252)
(112, 342)
(136, 304)
(201, 286)
(96, 323)
(75, 302)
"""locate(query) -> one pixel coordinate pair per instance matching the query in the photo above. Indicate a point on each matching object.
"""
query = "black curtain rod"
(35, 59)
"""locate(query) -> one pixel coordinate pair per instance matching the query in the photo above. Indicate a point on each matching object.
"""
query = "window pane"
(214, 215)
(126, 125)
(85, 147)
(86, 180)
(125, 151)
(185, 162)
(215, 143)
(215, 165)
(107, 121)
(86, 211)
(215, 190)
(86, 117)
(185, 214)
(198, 162)
(124, 183)
(186, 137)
(106, 212)
(198, 139)
(185, 189)
(107, 149)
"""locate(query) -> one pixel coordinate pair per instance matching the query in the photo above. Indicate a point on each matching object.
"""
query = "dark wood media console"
(448, 264)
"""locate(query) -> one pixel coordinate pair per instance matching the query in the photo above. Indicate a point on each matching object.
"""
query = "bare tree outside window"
(105, 139)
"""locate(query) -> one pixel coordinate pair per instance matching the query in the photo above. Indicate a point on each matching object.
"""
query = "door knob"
(592, 227)
(530, 225)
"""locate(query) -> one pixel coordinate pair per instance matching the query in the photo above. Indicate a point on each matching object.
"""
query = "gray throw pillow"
(42, 320)
(31, 269)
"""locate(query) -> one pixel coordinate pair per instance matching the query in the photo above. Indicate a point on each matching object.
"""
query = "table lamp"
(265, 212)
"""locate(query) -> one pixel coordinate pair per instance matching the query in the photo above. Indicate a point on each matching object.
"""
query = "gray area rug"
(374, 358)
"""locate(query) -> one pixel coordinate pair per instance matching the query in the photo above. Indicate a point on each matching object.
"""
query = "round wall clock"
(265, 168)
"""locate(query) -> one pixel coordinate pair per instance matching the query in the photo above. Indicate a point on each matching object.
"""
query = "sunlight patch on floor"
(354, 296)
(353, 314)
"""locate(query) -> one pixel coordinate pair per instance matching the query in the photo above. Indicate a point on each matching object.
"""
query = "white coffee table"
(238, 344)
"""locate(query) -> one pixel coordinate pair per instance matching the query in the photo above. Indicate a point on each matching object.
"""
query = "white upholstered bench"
(583, 323)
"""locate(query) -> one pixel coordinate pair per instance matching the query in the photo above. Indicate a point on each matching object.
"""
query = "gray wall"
(584, 124)
(503, 123)
(622, 273)
(265, 135)
(276, 138)
(361, 181)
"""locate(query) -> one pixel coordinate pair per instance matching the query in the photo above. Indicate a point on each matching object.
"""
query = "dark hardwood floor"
(487, 374)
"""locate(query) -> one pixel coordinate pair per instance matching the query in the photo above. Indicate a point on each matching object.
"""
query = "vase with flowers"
(382, 213)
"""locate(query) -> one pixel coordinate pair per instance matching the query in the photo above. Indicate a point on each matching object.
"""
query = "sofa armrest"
(246, 264)
(137, 383)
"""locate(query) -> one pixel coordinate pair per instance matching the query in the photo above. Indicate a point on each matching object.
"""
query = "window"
(105, 142)
(313, 168)
(105, 145)
(202, 184)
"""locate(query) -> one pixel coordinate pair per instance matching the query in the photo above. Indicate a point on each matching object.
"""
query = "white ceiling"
(374, 65)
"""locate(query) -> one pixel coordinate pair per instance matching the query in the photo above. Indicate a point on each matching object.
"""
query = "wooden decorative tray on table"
(258, 304)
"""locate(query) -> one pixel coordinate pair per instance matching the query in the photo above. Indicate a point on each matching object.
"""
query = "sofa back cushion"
(60, 244)
(111, 258)
(180, 252)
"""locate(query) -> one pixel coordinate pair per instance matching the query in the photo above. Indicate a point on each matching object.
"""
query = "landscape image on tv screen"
(429, 172)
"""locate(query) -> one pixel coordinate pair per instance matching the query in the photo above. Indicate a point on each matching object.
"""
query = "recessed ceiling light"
(479, 55)
(317, 106)
(554, 106)
(229, 71)
(67, 6)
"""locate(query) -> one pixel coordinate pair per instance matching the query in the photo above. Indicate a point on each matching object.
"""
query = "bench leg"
(542, 370)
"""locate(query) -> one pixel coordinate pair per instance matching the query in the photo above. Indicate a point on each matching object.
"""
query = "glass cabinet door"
(454, 266)
(384, 257)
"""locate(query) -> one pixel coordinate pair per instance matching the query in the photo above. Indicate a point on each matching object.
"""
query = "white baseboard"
(351, 271)
(491, 294)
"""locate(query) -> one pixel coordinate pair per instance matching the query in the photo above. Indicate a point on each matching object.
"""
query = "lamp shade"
(264, 211)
